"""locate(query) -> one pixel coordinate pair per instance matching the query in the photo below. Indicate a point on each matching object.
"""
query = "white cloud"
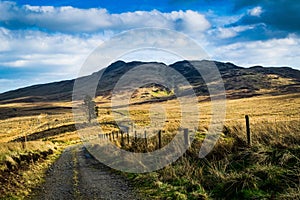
(145, 44)
(69, 19)
(39, 57)
(225, 33)
(257, 11)
(273, 52)
(28, 41)
(189, 21)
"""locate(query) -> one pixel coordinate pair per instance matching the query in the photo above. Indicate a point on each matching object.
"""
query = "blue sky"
(45, 40)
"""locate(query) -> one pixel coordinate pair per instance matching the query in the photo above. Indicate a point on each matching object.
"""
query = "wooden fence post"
(146, 142)
(186, 137)
(127, 131)
(248, 130)
(122, 138)
(159, 139)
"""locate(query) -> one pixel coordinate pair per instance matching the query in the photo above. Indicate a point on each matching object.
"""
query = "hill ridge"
(236, 78)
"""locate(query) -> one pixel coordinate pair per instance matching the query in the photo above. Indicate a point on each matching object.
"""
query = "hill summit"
(238, 81)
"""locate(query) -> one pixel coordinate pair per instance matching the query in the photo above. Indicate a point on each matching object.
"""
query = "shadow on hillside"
(59, 131)
(47, 133)
(10, 112)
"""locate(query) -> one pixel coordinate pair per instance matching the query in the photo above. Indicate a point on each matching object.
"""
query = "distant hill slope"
(238, 81)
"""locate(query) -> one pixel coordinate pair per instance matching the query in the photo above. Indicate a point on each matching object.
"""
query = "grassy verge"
(269, 169)
(23, 165)
(24, 169)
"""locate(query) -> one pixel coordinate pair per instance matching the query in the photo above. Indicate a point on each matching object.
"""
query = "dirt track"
(76, 175)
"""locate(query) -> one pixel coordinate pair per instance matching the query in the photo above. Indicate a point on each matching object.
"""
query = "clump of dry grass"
(23, 164)
(233, 170)
(22, 167)
(13, 154)
(268, 169)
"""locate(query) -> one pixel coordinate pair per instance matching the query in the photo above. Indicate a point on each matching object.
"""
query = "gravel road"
(76, 175)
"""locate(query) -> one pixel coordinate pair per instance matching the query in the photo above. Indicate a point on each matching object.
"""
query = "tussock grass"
(22, 167)
(23, 164)
(20, 182)
(268, 169)
(15, 148)
(17, 159)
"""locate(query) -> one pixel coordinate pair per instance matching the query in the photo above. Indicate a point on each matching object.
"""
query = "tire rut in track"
(77, 175)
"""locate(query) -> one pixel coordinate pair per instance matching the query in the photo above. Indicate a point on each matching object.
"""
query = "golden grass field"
(23, 164)
(261, 109)
(275, 126)
(269, 169)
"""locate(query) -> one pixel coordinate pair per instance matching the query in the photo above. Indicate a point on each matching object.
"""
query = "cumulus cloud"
(23, 48)
(69, 19)
(256, 11)
(273, 52)
(32, 57)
